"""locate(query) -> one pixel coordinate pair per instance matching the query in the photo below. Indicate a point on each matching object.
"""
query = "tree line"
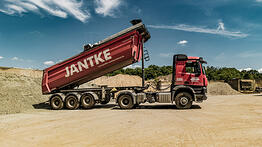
(151, 72)
(213, 73)
(227, 74)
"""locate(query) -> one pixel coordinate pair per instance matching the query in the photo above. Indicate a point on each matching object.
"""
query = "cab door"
(193, 74)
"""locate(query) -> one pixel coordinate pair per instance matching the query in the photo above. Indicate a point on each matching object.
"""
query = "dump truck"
(62, 80)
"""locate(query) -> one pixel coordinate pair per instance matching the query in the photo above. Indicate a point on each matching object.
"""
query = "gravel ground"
(220, 121)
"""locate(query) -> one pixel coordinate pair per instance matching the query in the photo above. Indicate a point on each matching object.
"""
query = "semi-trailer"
(62, 80)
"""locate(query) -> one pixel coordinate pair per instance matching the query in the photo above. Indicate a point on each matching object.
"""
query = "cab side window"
(192, 67)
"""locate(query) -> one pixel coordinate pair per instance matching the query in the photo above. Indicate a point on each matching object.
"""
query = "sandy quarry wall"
(18, 92)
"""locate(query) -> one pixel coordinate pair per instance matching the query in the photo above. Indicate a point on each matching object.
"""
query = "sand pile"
(18, 92)
(220, 88)
(116, 81)
(166, 78)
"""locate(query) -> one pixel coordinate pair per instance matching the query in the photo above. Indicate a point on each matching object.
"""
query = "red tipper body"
(117, 52)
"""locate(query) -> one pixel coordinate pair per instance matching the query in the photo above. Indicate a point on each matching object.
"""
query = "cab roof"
(183, 57)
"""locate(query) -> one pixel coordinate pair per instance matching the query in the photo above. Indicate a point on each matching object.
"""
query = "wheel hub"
(56, 102)
(125, 101)
(183, 101)
(87, 100)
(71, 102)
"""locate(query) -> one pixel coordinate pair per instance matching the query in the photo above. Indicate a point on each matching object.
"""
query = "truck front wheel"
(87, 101)
(125, 101)
(183, 100)
(56, 102)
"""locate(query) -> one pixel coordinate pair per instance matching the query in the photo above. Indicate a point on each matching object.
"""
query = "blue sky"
(37, 33)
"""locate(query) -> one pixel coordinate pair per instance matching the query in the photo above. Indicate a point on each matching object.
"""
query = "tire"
(183, 100)
(125, 101)
(56, 102)
(71, 102)
(87, 101)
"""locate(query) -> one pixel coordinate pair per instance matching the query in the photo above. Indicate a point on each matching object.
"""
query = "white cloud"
(218, 31)
(246, 69)
(73, 7)
(182, 42)
(221, 26)
(260, 70)
(27, 6)
(132, 66)
(107, 7)
(15, 58)
(59, 8)
(16, 8)
(47, 6)
(49, 62)
(1, 57)
(258, 0)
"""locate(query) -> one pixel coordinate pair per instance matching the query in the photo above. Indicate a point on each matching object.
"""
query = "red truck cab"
(189, 77)
(190, 72)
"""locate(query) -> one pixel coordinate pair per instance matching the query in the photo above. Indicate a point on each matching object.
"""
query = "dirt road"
(220, 121)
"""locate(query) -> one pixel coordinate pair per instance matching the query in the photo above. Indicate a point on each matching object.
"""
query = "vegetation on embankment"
(213, 73)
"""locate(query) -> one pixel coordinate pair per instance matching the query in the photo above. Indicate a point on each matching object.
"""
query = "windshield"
(193, 67)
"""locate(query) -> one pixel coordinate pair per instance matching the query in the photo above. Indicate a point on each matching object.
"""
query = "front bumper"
(202, 96)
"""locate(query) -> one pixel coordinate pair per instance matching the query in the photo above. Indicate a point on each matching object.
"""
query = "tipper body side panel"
(88, 65)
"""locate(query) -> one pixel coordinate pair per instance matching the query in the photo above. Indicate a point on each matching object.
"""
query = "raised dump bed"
(115, 52)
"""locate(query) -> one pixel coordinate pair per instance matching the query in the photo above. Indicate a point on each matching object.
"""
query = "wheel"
(183, 100)
(125, 101)
(71, 102)
(87, 101)
(56, 102)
